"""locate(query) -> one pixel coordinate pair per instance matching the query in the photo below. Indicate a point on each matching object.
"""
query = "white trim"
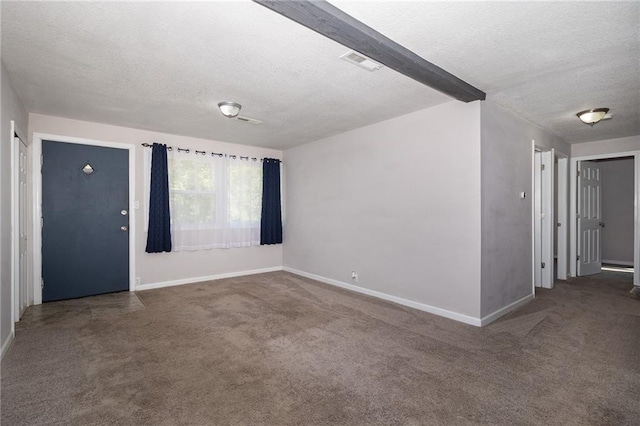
(532, 196)
(617, 262)
(193, 280)
(573, 249)
(488, 319)
(6, 344)
(37, 204)
(410, 303)
(15, 240)
(636, 223)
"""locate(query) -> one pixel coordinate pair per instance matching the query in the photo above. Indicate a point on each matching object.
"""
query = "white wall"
(506, 218)
(162, 267)
(12, 109)
(607, 146)
(617, 210)
(398, 202)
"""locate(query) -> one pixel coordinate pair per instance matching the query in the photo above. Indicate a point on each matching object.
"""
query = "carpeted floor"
(277, 349)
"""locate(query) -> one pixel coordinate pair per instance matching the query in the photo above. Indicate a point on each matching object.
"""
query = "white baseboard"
(5, 345)
(410, 303)
(618, 262)
(193, 280)
(488, 319)
(478, 322)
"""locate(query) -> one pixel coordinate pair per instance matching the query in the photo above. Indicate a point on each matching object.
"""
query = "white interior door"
(589, 218)
(23, 268)
(537, 218)
(543, 221)
(548, 224)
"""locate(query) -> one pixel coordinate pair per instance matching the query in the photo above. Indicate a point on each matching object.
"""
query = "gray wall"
(397, 201)
(12, 109)
(162, 267)
(506, 219)
(608, 146)
(617, 209)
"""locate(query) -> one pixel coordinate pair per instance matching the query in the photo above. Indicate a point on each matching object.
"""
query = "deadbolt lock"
(123, 212)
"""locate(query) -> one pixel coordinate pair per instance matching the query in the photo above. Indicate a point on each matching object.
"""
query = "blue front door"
(85, 211)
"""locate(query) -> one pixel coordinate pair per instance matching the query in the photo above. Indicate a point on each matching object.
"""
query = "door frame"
(573, 209)
(536, 237)
(548, 225)
(15, 218)
(562, 220)
(37, 204)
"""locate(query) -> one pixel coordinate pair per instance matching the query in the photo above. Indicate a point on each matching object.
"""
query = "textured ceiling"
(165, 66)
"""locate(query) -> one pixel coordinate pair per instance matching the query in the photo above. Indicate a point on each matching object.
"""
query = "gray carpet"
(277, 349)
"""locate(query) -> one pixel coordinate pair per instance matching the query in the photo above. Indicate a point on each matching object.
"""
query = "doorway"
(83, 240)
(561, 211)
(604, 234)
(20, 274)
(549, 217)
(542, 217)
(617, 213)
(85, 220)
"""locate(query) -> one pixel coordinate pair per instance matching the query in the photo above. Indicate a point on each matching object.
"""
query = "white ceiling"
(165, 66)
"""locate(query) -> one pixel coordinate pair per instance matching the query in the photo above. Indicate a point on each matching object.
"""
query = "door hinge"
(543, 265)
(559, 224)
(41, 161)
(578, 173)
(41, 282)
(41, 222)
(542, 167)
(578, 257)
(577, 215)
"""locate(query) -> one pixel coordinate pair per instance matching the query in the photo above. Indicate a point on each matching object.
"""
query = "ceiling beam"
(333, 23)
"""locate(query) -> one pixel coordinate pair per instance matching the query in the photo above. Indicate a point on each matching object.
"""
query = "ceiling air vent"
(360, 60)
(249, 120)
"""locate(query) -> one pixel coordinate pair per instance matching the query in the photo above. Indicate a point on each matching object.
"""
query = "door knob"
(123, 212)
(123, 228)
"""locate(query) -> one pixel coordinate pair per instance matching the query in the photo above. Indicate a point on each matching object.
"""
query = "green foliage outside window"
(245, 192)
(194, 187)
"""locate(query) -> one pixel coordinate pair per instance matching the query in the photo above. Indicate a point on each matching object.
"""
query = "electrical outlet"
(354, 276)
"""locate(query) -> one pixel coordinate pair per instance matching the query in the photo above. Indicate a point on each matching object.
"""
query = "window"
(192, 190)
(215, 202)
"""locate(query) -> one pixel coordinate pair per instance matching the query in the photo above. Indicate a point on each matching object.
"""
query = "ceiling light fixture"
(592, 116)
(229, 109)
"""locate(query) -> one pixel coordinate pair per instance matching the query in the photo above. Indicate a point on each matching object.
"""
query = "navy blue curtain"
(271, 221)
(159, 236)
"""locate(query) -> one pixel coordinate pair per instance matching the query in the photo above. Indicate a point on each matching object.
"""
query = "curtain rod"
(213, 154)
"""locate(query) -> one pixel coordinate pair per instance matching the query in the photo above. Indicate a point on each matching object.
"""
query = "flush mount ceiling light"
(592, 116)
(229, 109)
